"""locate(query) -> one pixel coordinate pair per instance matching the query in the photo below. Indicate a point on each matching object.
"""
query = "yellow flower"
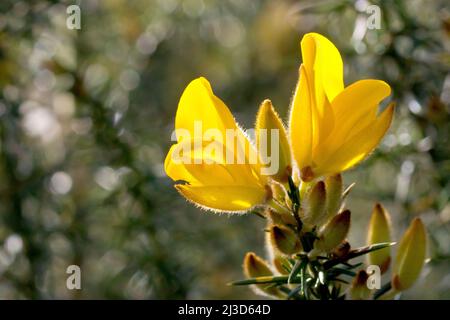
(332, 128)
(213, 157)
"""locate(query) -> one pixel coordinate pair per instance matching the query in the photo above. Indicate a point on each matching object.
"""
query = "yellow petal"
(379, 231)
(176, 171)
(359, 100)
(354, 109)
(223, 198)
(202, 115)
(301, 122)
(278, 160)
(311, 119)
(323, 59)
(410, 256)
(358, 147)
(198, 104)
(205, 163)
(324, 69)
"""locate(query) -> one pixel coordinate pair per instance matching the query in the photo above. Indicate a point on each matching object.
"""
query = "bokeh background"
(86, 117)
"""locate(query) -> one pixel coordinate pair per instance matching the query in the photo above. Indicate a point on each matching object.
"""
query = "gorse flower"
(292, 178)
(213, 182)
(332, 128)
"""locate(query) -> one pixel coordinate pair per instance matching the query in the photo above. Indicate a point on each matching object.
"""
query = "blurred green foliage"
(86, 117)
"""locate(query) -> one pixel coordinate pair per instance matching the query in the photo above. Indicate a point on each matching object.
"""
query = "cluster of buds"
(309, 256)
(315, 226)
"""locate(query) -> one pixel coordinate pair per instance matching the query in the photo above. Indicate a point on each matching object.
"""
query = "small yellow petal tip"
(379, 231)
(410, 257)
(272, 142)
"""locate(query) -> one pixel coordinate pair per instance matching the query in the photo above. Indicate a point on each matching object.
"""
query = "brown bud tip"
(361, 277)
(342, 250)
(334, 232)
(285, 240)
(320, 187)
(359, 289)
(343, 217)
(307, 174)
(254, 266)
(269, 193)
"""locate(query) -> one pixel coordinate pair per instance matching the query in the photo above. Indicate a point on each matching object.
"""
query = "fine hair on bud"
(334, 232)
(315, 204)
(284, 239)
(410, 256)
(359, 289)
(254, 267)
(379, 231)
(281, 264)
(334, 189)
(281, 218)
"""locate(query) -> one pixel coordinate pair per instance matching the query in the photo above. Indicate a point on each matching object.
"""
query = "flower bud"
(284, 239)
(280, 263)
(333, 187)
(342, 249)
(316, 204)
(276, 217)
(271, 251)
(255, 267)
(379, 231)
(334, 232)
(273, 216)
(278, 192)
(268, 123)
(410, 256)
(359, 289)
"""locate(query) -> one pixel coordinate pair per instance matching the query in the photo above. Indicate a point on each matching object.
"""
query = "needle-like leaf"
(299, 265)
